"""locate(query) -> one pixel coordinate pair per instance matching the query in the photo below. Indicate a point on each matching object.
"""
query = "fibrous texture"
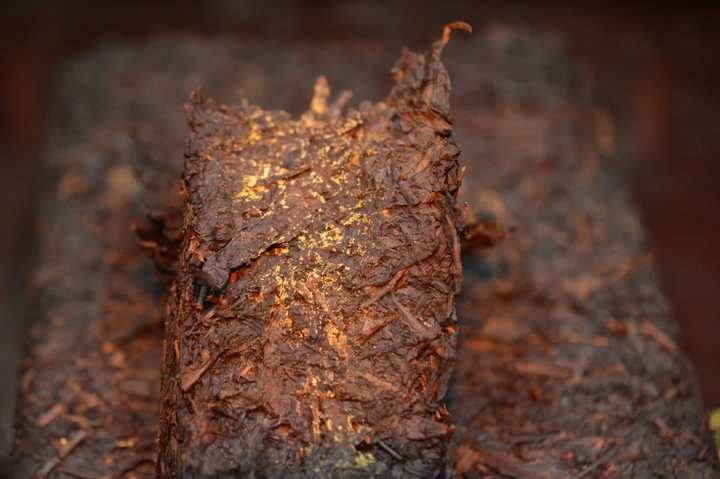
(567, 365)
(312, 327)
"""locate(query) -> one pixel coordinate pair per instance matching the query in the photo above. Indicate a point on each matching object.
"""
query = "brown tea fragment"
(327, 249)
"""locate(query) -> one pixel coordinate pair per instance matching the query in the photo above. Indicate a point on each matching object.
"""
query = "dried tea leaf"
(299, 234)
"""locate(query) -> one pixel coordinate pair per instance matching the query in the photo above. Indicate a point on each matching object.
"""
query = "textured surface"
(571, 368)
(331, 248)
(524, 119)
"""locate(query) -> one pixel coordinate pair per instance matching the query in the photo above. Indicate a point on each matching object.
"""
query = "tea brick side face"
(312, 329)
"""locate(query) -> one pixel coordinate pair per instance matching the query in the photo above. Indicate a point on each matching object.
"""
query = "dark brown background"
(654, 65)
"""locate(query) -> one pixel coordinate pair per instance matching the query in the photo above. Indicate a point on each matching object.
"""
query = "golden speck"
(126, 443)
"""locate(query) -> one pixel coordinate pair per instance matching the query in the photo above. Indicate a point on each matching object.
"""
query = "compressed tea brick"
(313, 326)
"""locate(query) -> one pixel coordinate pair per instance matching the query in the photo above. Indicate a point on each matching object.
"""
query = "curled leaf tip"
(459, 25)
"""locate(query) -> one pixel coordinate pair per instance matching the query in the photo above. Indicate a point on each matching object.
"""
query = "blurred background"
(654, 65)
